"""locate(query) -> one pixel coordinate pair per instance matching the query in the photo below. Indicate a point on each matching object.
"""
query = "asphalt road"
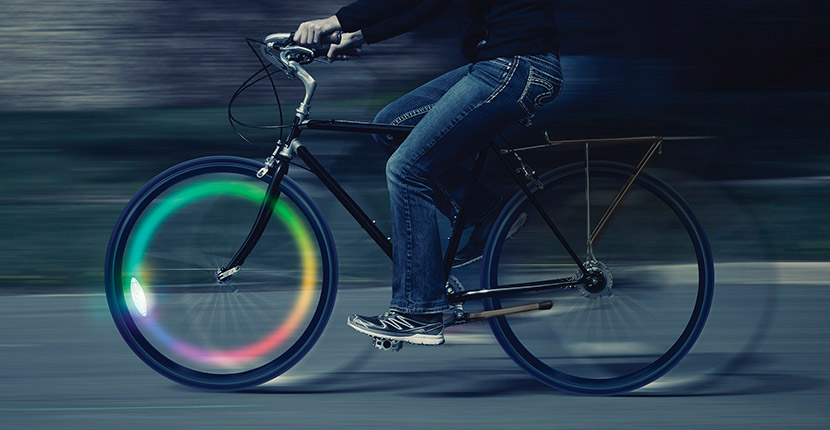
(761, 363)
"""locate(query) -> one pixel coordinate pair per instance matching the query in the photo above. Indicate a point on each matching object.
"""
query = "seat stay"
(655, 147)
(535, 202)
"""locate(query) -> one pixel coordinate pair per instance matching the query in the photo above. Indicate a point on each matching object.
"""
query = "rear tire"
(602, 341)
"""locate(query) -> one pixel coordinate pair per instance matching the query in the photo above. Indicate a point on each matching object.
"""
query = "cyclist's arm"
(350, 18)
(363, 13)
(355, 36)
(403, 22)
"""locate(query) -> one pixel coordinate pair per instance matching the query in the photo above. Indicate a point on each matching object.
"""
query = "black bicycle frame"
(283, 155)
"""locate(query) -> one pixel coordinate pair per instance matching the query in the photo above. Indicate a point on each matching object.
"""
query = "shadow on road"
(749, 375)
(745, 372)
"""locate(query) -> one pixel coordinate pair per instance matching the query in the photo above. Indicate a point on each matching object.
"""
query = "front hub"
(598, 281)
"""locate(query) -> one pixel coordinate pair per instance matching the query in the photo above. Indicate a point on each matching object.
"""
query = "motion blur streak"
(97, 97)
(242, 355)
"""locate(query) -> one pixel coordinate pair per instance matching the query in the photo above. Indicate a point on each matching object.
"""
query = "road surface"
(761, 362)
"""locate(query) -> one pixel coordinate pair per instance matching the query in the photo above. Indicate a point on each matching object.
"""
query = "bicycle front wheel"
(161, 268)
(655, 290)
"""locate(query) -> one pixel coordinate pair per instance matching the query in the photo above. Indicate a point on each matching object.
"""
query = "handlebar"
(286, 41)
(280, 50)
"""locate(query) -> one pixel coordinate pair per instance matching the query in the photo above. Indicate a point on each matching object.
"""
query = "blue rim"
(149, 354)
(602, 387)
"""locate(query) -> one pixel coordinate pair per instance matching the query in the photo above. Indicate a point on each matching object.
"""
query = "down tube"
(382, 240)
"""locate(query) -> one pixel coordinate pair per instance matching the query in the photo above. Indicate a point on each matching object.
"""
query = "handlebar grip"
(333, 38)
(285, 41)
(336, 37)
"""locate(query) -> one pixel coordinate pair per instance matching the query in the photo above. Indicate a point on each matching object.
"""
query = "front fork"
(262, 218)
(281, 156)
(279, 159)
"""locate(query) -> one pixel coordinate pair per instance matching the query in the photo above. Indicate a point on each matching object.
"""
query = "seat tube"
(452, 248)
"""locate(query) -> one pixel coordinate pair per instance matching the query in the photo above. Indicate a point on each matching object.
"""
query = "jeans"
(455, 116)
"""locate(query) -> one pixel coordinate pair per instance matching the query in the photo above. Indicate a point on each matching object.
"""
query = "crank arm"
(541, 306)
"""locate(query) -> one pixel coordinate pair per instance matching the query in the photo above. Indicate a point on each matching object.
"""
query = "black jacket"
(497, 28)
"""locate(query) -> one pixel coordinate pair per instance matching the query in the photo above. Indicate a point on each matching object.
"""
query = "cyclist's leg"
(451, 185)
(486, 100)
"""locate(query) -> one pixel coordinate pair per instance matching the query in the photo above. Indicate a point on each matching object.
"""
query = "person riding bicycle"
(514, 70)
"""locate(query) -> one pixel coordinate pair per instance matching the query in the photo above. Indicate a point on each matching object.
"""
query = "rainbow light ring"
(217, 357)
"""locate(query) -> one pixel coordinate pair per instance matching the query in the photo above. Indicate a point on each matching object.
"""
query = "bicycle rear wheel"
(633, 327)
(161, 282)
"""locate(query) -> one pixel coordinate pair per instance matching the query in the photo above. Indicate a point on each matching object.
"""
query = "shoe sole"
(517, 225)
(416, 339)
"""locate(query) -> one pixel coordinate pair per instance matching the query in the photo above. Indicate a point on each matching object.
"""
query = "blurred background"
(96, 97)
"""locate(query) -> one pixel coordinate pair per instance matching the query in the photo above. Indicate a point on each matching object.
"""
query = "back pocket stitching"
(537, 77)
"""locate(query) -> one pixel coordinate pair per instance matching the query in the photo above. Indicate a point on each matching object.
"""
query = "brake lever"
(299, 54)
(343, 56)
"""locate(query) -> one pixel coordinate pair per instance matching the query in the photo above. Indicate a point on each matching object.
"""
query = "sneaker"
(474, 249)
(418, 329)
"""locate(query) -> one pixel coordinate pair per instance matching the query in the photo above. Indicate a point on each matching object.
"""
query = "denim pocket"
(506, 64)
(501, 70)
(541, 89)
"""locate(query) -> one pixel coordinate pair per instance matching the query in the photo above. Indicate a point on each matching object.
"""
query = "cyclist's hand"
(348, 47)
(313, 34)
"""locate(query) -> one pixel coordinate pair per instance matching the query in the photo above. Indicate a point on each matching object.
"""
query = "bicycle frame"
(213, 335)
(280, 160)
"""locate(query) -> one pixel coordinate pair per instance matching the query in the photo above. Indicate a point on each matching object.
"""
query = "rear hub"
(597, 283)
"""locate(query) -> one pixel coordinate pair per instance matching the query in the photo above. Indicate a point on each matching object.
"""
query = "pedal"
(387, 344)
(457, 316)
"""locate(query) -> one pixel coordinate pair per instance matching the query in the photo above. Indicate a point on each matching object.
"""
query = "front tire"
(161, 282)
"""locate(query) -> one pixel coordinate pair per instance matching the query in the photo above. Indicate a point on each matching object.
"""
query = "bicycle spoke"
(635, 315)
(195, 329)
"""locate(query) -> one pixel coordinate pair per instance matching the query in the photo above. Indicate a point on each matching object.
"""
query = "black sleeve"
(363, 13)
(404, 22)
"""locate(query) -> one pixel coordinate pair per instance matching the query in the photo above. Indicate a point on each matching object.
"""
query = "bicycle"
(198, 301)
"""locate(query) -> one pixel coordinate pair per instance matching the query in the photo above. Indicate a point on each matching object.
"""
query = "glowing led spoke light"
(242, 354)
(137, 293)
